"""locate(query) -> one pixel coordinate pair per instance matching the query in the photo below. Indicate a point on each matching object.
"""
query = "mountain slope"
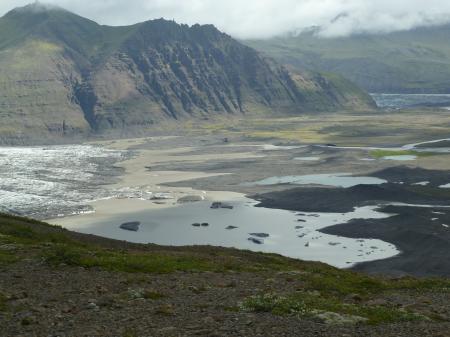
(64, 75)
(415, 61)
(115, 288)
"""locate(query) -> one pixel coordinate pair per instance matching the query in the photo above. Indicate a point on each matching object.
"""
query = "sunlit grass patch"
(341, 283)
(390, 153)
(153, 262)
(313, 306)
(304, 136)
(124, 261)
(328, 290)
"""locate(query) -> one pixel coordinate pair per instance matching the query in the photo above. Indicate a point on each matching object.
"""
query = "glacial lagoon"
(291, 234)
(47, 182)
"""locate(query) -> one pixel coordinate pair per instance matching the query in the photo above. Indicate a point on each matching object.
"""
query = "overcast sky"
(265, 18)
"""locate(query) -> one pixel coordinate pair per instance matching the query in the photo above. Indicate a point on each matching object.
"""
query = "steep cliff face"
(37, 94)
(61, 74)
(165, 70)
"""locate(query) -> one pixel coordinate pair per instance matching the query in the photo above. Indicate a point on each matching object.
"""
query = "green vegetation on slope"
(57, 246)
(415, 61)
(388, 153)
(83, 39)
(314, 306)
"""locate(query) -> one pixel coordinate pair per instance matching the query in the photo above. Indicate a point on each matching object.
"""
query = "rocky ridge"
(62, 75)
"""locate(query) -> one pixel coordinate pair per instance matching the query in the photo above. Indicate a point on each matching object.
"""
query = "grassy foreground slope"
(414, 61)
(55, 281)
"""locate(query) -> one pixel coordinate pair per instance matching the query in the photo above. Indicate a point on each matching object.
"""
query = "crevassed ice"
(43, 182)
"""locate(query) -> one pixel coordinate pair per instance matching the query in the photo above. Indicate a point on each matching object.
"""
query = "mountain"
(64, 75)
(414, 61)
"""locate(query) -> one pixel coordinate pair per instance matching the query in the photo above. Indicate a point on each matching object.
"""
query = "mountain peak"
(33, 11)
(125, 79)
(38, 7)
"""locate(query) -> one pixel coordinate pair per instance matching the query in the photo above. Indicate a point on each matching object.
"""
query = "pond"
(401, 101)
(401, 157)
(335, 179)
(291, 234)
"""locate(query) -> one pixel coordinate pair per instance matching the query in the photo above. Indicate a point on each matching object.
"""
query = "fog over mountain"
(265, 18)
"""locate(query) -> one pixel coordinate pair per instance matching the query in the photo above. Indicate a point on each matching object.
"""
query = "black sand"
(420, 233)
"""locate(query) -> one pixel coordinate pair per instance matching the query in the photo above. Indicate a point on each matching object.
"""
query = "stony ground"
(58, 283)
(79, 302)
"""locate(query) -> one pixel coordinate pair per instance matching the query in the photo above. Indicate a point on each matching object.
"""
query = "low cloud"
(261, 19)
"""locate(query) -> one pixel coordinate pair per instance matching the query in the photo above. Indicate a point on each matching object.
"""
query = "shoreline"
(137, 177)
(165, 169)
(424, 250)
(420, 233)
(146, 183)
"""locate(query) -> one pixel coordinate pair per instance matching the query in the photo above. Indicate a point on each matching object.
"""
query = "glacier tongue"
(44, 182)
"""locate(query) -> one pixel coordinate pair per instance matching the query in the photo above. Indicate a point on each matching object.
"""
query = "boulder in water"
(217, 205)
(131, 226)
(260, 235)
(256, 241)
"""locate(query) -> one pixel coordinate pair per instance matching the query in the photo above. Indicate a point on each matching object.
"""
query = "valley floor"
(54, 282)
(225, 160)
